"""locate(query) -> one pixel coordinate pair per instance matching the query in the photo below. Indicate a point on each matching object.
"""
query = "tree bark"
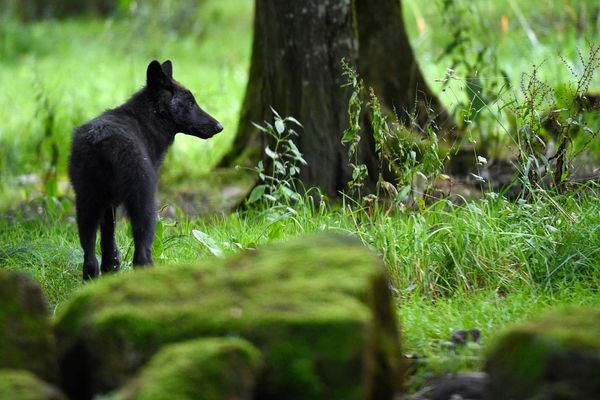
(387, 64)
(296, 69)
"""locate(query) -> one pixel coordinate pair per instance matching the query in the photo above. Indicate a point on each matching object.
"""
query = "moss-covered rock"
(318, 308)
(23, 385)
(26, 338)
(554, 357)
(201, 369)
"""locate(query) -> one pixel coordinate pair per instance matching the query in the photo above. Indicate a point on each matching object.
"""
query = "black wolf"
(115, 160)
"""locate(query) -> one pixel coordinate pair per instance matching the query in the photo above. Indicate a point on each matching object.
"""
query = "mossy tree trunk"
(296, 69)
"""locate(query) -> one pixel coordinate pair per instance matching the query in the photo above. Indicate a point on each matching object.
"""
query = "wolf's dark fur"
(115, 160)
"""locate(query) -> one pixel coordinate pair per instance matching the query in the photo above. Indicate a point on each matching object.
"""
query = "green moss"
(203, 369)
(23, 385)
(557, 354)
(569, 328)
(313, 306)
(26, 340)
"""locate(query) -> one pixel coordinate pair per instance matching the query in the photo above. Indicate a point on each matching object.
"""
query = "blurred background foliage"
(165, 11)
(63, 62)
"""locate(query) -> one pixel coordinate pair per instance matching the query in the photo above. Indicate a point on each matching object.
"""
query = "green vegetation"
(219, 368)
(485, 263)
(492, 244)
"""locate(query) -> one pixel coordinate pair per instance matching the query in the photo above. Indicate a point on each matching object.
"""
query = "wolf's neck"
(157, 128)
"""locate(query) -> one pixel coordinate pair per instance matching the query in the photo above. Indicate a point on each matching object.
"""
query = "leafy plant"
(351, 136)
(279, 170)
(413, 163)
(547, 116)
(209, 242)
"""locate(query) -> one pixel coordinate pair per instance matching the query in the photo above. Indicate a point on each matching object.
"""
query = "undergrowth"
(484, 265)
(492, 244)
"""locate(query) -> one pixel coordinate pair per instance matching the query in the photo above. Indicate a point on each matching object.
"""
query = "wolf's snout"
(218, 127)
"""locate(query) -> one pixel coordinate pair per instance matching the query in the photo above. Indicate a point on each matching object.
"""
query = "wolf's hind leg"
(111, 260)
(88, 219)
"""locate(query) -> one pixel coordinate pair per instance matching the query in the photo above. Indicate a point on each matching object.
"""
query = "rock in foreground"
(201, 369)
(26, 338)
(23, 385)
(318, 308)
(554, 357)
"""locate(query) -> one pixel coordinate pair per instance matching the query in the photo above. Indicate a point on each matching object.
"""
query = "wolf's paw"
(111, 264)
(90, 271)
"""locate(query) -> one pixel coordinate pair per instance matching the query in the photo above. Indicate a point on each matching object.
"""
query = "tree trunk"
(388, 65)
(296, 69)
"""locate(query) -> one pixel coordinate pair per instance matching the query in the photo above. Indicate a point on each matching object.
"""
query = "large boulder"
(556, 356)
(319, 309)
(26, 337)
(23, 385)
(200, 369)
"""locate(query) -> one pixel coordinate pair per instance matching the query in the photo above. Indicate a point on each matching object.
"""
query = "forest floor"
(484, 265)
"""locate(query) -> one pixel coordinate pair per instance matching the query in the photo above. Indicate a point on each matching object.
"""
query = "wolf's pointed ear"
(156, 77)
(167, 67)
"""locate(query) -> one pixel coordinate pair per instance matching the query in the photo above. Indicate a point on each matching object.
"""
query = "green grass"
(486, 264)
(427, 326)
(446, 250)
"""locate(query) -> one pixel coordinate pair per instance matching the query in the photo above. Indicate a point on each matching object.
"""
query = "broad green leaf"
(280, 168)
(403, 194)
(260, 128)
(270, 197)
(287, 192)
(277, 116)
(477, 178)
(209, 242)
(158, 247)
(297, 155)
(295, 121)
(256, 193)
(271, 154)
(280, 126)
